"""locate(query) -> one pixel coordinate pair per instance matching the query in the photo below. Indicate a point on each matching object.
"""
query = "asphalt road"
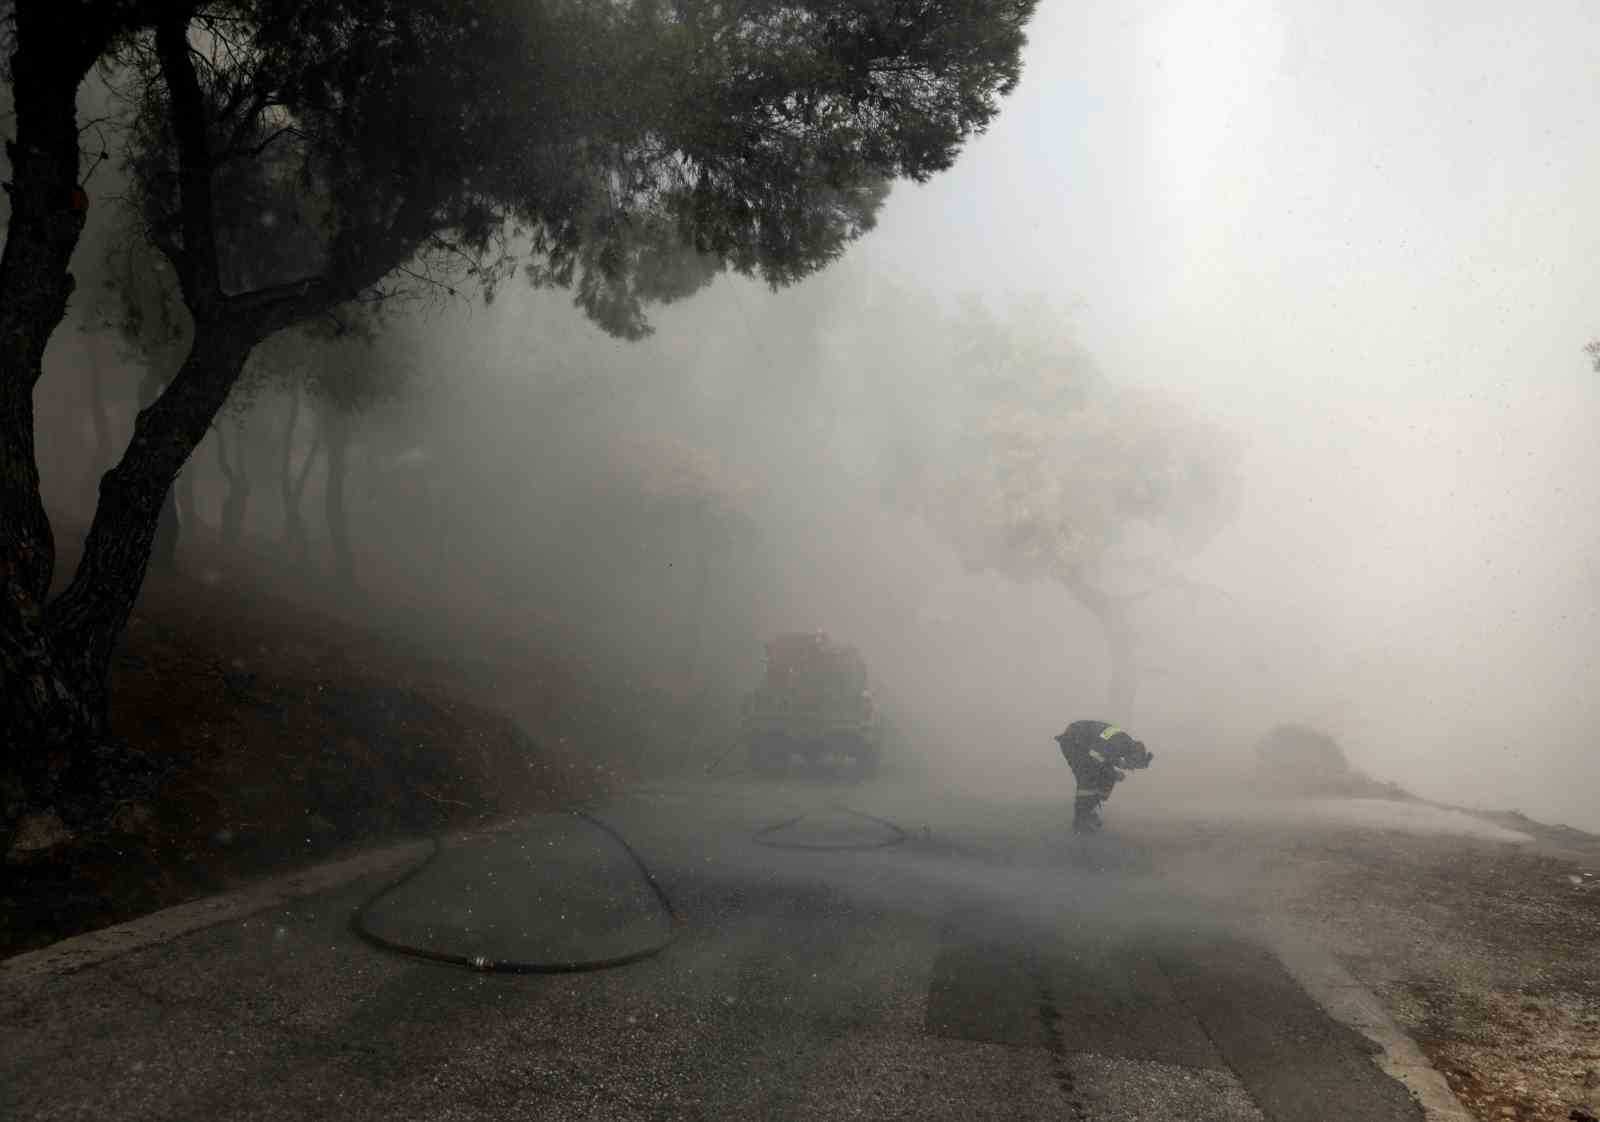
(829, 953)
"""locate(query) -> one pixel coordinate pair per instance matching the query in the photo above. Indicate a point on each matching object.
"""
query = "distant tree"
(700, 492)
(234, 468)
(629, 150)
(1045, 469)
(99, 419)
(362, 369)
(236, 438)
(286, 364)
(329, 371)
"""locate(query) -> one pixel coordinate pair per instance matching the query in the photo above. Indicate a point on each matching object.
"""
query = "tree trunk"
(54, 52)
(58, 751)
(1111, 613)
(104, 452)
(336, 424)
(697, 690)
(441, 511)
(235, 473)
(89, 616)
(183, 499)
(702, 589)
(54, 740)
(296, 541)
(164, 549)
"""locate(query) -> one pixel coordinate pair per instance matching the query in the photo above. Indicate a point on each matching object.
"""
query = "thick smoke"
(1332, 242)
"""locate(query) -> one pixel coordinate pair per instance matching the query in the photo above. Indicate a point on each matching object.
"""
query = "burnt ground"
(291, 734)
(1489, 957)
(1487, 953)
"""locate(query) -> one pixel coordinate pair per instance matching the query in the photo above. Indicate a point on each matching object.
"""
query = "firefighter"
(1095, 752)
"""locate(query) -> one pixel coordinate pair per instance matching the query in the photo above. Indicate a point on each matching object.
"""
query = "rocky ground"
(1485, 949)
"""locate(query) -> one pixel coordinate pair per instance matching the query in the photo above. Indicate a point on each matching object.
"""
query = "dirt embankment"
(293, 734)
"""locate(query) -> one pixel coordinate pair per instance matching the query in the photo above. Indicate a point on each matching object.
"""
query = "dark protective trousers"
(1095, 777)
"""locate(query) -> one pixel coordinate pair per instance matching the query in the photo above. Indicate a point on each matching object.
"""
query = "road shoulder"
(83, 951)
(1351, 1004)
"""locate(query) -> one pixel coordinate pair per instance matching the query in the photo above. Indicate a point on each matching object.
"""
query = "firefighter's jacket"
(1096, 751)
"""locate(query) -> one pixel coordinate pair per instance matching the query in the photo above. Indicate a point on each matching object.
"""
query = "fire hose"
(359, 921)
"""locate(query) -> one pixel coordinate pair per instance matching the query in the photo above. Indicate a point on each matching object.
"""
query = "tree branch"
(235, 152)
(236, 141)
(278, 306)
(199, 271)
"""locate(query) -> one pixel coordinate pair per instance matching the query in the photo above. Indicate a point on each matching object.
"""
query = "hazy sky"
(1366, 235)
(1377, 194)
